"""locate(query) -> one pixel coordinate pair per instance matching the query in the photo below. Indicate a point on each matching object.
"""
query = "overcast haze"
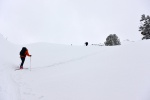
(71, 21)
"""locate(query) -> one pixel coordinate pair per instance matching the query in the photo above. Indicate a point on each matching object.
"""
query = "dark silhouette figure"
(23, 54)
(86, 43)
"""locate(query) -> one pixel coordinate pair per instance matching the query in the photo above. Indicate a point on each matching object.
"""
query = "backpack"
(22, 52)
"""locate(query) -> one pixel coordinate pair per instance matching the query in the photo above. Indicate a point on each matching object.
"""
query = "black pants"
(22, 59)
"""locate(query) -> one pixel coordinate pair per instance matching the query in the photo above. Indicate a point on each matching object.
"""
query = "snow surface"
(61, 72)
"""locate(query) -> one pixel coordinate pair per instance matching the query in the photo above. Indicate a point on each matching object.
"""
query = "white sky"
(71, 21)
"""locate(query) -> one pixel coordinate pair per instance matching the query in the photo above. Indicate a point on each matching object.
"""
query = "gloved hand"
(30, 55)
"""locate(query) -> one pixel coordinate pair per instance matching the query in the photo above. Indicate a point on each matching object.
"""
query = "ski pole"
(30, 63)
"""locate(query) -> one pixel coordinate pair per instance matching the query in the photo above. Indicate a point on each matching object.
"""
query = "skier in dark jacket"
(23, 53)
(86, 43)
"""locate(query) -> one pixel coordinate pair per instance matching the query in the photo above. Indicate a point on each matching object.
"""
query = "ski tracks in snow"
(8, 89)
(26, 92)
(13, 86)
(68, 61)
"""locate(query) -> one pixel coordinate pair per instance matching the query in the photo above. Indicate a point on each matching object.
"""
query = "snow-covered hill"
(60, 72)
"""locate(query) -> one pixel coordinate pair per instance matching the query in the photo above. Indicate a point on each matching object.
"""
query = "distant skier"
(86, 43)
(23, 53)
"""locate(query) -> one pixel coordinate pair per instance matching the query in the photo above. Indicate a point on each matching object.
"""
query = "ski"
(21, 69)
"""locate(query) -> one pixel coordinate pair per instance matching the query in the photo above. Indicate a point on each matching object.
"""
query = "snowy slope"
(60, 72)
